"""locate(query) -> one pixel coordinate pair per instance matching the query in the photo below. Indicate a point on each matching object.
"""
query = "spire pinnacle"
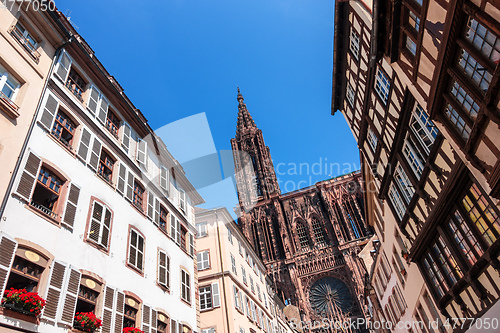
(244, 118)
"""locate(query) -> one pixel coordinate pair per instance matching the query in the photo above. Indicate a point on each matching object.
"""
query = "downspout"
(30, 131)
(223, 274)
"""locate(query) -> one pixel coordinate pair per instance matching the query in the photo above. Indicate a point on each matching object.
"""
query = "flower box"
(132, 330)
(86, 322)
(19, 300)
(8, 310)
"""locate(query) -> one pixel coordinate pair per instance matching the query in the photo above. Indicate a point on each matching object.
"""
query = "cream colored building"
(233, 292)
(29, 41)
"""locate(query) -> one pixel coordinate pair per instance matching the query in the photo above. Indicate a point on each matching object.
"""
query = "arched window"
(256, 179)
(354, 218)
(26, 270)
(303, 237)
(319, 234)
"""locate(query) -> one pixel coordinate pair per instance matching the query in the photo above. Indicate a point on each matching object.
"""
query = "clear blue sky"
(177, 58)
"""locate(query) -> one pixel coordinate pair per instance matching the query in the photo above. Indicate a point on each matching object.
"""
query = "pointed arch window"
(303, 237)
(319, 234)
(353, 216)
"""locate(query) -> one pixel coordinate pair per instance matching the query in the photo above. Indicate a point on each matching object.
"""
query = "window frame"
(379, 86)
(139, 270)
(166, 267)
(185, 287)
(204, 262)
(4, 77)
(98, 244)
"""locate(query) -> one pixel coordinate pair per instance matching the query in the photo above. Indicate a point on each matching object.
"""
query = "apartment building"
(234, 293)
(100, 218)
(417, 82)
(28, 43)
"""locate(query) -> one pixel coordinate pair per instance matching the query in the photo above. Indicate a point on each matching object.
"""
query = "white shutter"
(83, 149)
(28, 177)
(235, 295)
(215, 295)
(142, 151)
(191, 244)
(108, 309)
(63, 66)
(122, 175)
(103, 110)
(8, 247)
(162, 268)
(153, 320)
(126, 136)
(54, 291)
(173, 226)
(178, 232)
(164, 181)
(130, 186)
(146, 318)
(95, 155)
(156, 219)
(71, 205)
(93, 100)
(151, 201)
(120, 304)
(49, 112)
(173, 326)
(72, 286)
(105, 228)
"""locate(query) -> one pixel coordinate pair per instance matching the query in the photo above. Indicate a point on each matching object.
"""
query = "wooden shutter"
(130, 186)
(28, 177)
(178, 231)
(191, 244)
(122, 174)
(71, 205)
(83, 149)
(180, 330)
(106, 228)
(172, 226)
(96, 221)
(162, 268)
(120, 304)
(126, 136)
(173, 326)
(156, 219)
(63, 66)
(7, 251)
(151, 200)
(54, 291)
(168, 272)
(142, 150)
(103, 110)
(73, 285)
(49, 111)
(153, 320)
(93, 100)
(107, 313)
(146, 318)
(164, 178)
(215, 295)
(95, 154)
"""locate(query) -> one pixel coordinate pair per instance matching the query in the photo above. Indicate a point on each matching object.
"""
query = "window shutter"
(120, 304)
(93, 100)
(164, 182)
(142, 149)
(130, 186)
(191, 244)
(49, 111)
(215, 295)
(122, 174)
(235, 295)
(106, 228)
(29, 176)
(103, 110)
(96, 221)
(153, 320)
(180, 330)
(173, 326)
(71, 204)
(172, 226)
(73, 285)
(54, 291)
(151, 200)
(168, 272)
(156, 219)
(240, 299)
(83, 149)
(63, 66)
(162, 268)
(7, 250)
(126, 136)
(146, 316)
(107, 313)
(95, 154)
(178, 231)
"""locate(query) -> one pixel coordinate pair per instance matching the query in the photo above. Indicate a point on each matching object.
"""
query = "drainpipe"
(374, 34)
(30, 131)
(223, 274)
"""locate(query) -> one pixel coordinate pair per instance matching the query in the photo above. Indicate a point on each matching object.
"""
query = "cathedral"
(308, 239)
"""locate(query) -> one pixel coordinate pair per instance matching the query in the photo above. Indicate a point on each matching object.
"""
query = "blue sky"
(178, 58)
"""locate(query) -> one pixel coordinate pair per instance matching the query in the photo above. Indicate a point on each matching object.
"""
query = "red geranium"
(87, 321)
(20, 298)
(132, 330)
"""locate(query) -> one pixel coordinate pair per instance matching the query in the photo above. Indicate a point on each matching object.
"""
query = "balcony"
(7, 106)
(74, 88)
(25, 42)
(44, 210)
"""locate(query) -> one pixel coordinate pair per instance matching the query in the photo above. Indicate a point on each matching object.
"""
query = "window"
(240, 248)
(244, 274)
(26, 39)
(100, 224)
(414, 21)
(8, 85)
(205, 298)
(456, 119)
(465, 100)
(372, 139)
(302, 233)
(251, 284)
(397, 202)
(162, 323)
(208, 330)
(201, 230)
(112, 123)
(411, 45)
(238, 298)
(136, 250)
(185, 286)
(233, 265)
(413, 156)
(318, 231)
(403, 183)
(130, 312)
(354, 45)
(88, 294)
(63, 129)
(105, 169)
(350, 94)
(26, 272)
(203, 259)
(382, 85)
(163, 222)
(75, 84)
(163, 269)
(229, 235)
(258, 291)
(47, 190)
(138, 196)
(423, 128)
(483, 39)
(182, 200)
(184, 233)
(474, 70)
